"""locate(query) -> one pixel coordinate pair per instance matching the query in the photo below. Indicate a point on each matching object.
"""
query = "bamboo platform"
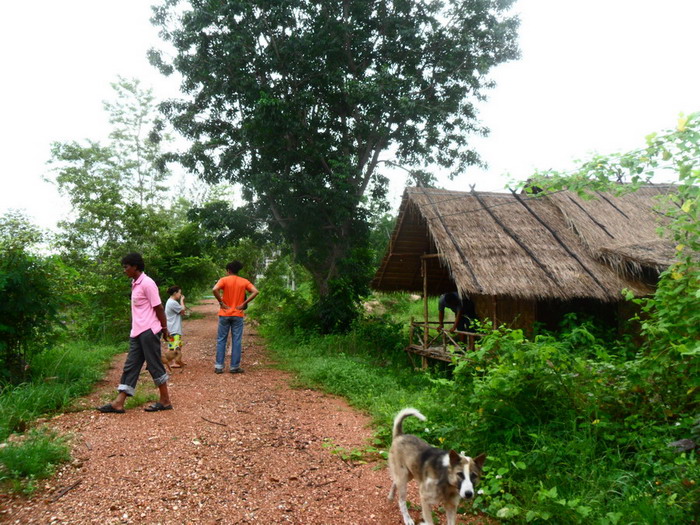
(432, 352)
(429, 341)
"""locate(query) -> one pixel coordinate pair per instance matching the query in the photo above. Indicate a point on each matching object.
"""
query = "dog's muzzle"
(466, 489)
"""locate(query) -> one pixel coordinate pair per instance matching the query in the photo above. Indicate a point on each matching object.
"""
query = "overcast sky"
(595, 76)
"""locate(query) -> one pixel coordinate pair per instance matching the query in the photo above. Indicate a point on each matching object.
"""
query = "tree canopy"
(115, 189)
(297, 101)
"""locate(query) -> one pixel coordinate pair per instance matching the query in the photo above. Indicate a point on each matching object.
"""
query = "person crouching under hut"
(464, 310)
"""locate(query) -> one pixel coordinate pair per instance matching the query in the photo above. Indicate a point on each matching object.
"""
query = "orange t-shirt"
(234, 289)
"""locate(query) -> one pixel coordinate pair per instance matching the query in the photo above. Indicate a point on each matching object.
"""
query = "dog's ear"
(479, 461)
(454, 458)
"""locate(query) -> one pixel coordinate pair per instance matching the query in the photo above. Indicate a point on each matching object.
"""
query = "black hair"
(234, 267)
(134, 259)
(173, 289)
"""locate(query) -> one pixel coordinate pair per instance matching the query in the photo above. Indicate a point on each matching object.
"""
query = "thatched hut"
(524, 258)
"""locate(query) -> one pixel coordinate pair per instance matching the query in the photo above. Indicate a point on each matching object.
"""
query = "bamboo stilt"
(424, 271)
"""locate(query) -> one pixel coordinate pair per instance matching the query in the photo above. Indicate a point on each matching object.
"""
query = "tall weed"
(59, 375)
(35, 457)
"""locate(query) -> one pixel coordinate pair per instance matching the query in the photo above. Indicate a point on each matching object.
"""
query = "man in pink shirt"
(148, 323)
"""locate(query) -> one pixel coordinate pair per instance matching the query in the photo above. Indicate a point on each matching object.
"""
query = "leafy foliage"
(115, 190)
(221, 224)
(296, 101)
(119, 205)
(668, 368)
(30, 286)
(136, 140)
(580, 425)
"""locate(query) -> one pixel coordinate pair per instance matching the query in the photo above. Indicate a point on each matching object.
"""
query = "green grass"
(376, 381)
(32, 458)
(59, 376)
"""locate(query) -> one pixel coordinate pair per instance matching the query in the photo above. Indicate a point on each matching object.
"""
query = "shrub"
(31, 297)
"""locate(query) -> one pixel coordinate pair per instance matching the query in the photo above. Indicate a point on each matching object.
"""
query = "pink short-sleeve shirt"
(144, 298)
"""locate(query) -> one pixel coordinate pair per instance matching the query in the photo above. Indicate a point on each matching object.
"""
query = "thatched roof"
(621, 231)
(558, 246)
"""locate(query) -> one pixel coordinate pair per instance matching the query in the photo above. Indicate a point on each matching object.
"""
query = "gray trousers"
(144, 348)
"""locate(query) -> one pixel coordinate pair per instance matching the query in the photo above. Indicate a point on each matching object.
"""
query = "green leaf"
(584, 511)
(507, 512)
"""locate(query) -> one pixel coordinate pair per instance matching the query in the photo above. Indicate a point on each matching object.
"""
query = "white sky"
(595, 75)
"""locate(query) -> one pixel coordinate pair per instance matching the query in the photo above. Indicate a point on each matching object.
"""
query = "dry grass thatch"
(555, 247)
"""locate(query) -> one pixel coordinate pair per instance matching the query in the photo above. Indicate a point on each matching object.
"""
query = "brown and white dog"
(443, 477)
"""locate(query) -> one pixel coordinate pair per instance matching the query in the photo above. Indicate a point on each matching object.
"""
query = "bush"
(568, 437)
(30, 287)
(563, 409)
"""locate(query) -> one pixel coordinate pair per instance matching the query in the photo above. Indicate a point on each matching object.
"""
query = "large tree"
(296, 100)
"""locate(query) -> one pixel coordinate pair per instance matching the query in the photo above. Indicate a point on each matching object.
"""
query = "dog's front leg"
(451, 513)
(407, 519)
(426, 510)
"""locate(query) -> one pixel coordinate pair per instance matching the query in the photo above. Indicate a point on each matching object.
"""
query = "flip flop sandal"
(109, 409)
(157, 407)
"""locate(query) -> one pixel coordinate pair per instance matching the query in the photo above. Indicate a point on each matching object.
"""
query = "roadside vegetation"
(580, 425)
(565, 418)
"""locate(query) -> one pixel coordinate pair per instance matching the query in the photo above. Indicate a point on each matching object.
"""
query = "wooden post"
(426, 326)
(494, 310)
(426, 335)
(410, 333)
(424, 271)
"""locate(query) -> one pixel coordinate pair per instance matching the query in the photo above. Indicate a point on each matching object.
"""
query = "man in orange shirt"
(231, 307)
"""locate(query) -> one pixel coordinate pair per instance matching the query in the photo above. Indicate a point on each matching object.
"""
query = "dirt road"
(245, 448)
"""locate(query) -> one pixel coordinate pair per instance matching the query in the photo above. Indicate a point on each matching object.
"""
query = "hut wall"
(517, 313)
(551, 313)
(484, 305)
(523, 314)
(514, 313)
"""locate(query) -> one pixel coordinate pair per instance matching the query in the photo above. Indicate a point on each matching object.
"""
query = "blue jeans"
(235, 324)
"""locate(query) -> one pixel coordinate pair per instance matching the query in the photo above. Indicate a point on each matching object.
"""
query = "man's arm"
(441, 317)
(160, 314)
(253, 294)
(458, 317)
(217, 295)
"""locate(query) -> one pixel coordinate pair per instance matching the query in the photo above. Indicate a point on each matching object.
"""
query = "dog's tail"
(398, 420)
